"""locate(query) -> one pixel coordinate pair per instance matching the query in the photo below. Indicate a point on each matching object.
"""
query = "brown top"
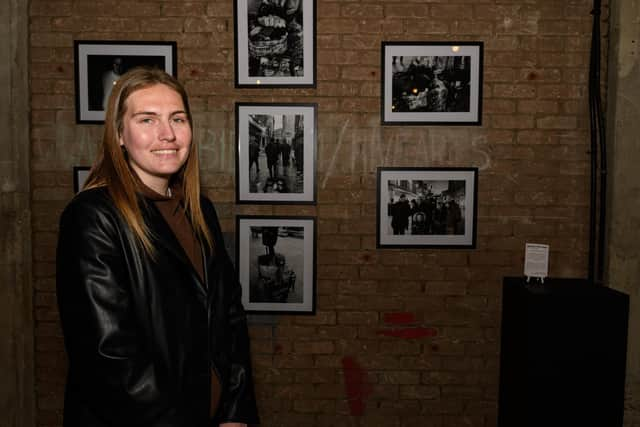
(172, 210)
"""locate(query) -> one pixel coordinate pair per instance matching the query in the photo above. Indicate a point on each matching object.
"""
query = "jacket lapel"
(164, 237)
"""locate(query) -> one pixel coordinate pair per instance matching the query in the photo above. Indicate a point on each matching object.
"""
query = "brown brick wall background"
(532, 152)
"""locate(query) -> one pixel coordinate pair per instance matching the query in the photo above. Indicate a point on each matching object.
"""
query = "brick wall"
(338, 367)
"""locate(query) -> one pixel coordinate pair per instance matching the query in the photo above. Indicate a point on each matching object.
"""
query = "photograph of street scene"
(276, 257)
(276, 153)
(431, 83)
(419, 207)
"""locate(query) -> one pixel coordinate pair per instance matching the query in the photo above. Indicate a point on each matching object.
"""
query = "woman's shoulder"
(95, 197)
(90, 204)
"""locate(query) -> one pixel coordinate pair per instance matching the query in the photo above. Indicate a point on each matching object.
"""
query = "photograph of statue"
(276, 259)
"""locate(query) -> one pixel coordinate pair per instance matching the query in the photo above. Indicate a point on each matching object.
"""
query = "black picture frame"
(276, 263)
(432, 83)
(276, 153)
(275, 46)
(98, 63)
(426, 207)
(80, 174)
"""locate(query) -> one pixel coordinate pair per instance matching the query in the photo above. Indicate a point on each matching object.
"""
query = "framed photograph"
(276, 262)
(276, 153)
(99, 64)
(80, 174)
(427, 207)
(275, 43)
(432, 83)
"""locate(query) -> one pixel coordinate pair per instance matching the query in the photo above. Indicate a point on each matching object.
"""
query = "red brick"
(190, 9)
(451, 12)
(422, 27)
(223, 8)
(361, 10)
(50, 8)
(315, 347)
(404, 11)
(161, 25)
(358, 318)
(422, 392)
(514, 91)
(504, 121)
(532, 107)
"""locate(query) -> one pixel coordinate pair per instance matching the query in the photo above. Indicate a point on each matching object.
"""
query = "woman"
(150, 306)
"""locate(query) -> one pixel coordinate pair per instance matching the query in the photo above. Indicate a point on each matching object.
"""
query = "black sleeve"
(110, 370)
(238, 402)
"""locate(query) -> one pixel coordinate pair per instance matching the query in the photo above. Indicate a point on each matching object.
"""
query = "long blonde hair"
(111, 168)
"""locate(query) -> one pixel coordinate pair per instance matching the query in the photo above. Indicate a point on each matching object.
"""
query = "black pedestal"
(563, 354)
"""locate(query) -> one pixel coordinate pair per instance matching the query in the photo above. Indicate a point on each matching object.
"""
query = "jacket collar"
(164, 236)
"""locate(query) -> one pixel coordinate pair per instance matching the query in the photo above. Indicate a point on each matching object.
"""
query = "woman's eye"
(179, 120)
(147, 120)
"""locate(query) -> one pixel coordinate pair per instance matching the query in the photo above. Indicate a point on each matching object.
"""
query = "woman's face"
(156, 134)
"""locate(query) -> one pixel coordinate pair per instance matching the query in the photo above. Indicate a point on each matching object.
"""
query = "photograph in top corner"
(275, 43)
(275, 38)
(432, 83)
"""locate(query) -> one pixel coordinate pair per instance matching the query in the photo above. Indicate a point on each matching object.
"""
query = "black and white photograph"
(276, 153)
(276, 259)
(99, 65)
(80, 174)
(432, 83)
(275, 43)
(421, 207)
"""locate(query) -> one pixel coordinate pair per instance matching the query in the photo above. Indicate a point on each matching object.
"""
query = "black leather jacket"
(143, 334)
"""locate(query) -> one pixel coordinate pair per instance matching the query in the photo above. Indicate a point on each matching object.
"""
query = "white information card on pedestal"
(536, 261)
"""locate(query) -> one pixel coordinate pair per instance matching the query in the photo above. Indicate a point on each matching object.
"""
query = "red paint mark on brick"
(409, 333)
(357, 387)
(277, 349)
(399, 318)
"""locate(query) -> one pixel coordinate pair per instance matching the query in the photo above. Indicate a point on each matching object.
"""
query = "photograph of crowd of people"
(276, 153)
(431, 83)
(426, 207)
(276, 36)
